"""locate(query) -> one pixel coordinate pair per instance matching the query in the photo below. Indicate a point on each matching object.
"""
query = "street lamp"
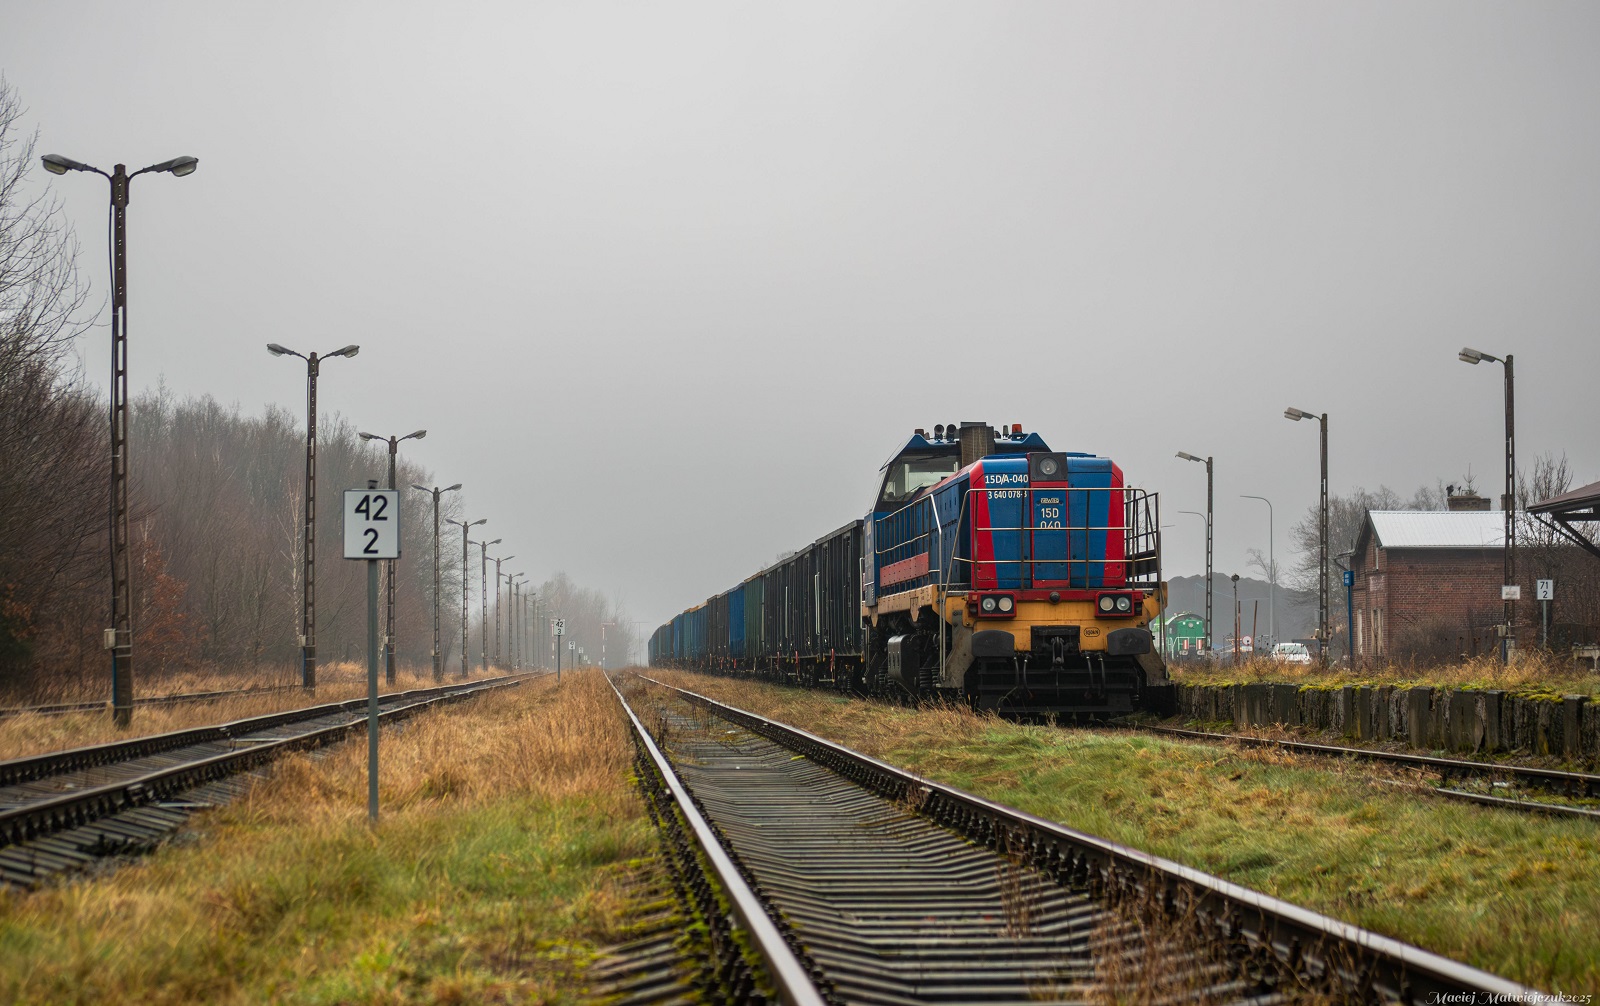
(1209, 485)
(1208, 636)
(388, 566)
(308, 608)
(438, 652)
(1322, 534)
(483, 600)
(1236, 640)
(465, 619)
(515, 581)
(1272, 569)
(498, 605)
(1508, 502)
(119, 638)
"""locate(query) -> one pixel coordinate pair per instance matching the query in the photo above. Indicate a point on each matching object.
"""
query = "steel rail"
(44, 817)
(33, 767)
(1301, 941)
(63, 708)
(789, 977)
(1580, 784)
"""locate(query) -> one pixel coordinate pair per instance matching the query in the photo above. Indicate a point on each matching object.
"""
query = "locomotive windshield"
(909, 473)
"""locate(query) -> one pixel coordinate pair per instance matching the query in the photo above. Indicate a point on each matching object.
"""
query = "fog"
(667, 283)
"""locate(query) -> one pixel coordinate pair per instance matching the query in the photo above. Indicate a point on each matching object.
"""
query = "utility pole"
(1272, 570)
(388, 567)
(483, 600)
(1210, 487)
(438, 645)
(119, 638)
(498, 599)
(1322, 537)
(465, 618)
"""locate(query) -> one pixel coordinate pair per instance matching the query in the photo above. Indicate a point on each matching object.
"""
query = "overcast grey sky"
(666, 283)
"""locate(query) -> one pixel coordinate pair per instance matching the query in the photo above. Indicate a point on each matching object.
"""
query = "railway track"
(64, 708)
(1573, 785)
(851, 881)
(64, 810)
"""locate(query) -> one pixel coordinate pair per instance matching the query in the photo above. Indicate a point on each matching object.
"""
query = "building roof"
(1584, 498)
(1439, 528)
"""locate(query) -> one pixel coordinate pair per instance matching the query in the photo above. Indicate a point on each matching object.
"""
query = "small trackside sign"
(561, 626)
(371, 524)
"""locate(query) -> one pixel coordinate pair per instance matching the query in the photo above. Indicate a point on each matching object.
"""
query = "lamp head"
(1295, 414)
(277, 350)
(415, 436)
(453, 488)
(1189, 457)
(58, 165)
(495, 542)
(423, 488)
(179, 166)
(1474, 357)
(475, 523)
(370, 436)
(351, 350)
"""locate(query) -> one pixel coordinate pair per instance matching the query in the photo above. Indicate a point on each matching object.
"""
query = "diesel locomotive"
(991, 570)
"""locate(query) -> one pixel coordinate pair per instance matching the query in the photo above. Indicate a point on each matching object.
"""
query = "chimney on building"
(977, 441)
(1466, 499)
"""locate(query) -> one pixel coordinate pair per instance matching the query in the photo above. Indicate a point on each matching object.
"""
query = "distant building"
(1428, 582)
(1184, 635)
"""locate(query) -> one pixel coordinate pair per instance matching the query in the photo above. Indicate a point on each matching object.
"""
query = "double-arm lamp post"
(465, 619)
(498, 607)
(483, 600)
(119, 638)
(1210, 486)
(438, 650)
(1322, 535)
(1272, 569)
(388, 566)
(1508, 502)
(308, 607)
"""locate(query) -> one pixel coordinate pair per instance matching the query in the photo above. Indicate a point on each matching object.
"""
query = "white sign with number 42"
(371, 524)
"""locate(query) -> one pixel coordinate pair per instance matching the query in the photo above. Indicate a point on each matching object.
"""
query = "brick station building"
(1428, 581)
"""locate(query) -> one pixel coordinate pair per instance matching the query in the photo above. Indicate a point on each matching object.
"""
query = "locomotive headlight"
(988, 604)
(1049, 467)
(1006, 604)
(1107, 602)
(1124, 603)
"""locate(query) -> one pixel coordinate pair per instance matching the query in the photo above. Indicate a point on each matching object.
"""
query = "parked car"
(1291, 653)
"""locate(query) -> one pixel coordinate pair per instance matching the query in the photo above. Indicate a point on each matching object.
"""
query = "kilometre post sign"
(371, 524)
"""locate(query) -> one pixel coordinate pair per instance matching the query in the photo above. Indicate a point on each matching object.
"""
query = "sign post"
(372, 532)
(1350, 616)
(1545, 591)
(561, 630)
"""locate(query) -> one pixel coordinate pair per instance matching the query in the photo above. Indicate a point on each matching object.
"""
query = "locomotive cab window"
(907, 474)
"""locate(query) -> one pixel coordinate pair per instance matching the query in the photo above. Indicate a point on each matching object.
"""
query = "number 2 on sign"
(372, 540)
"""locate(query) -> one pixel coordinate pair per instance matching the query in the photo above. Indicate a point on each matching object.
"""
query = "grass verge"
(1510, 893)
(497, 870)
(1529, 673)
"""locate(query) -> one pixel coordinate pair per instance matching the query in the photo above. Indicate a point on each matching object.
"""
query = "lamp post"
(119, 638)
(438, 650)
(1322, 534)
(388, 566)
(308, 607)
(1508, 502)
(1236, 640)
(1209, 487)
(515, 580)
(498, 606)
(465, 619)
(1203, 520)
(1272, 570)
(483, 600)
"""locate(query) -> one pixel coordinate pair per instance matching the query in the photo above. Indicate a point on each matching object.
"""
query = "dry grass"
(29, 734)
(1507, 892)
(1530, 671)
(494, 874)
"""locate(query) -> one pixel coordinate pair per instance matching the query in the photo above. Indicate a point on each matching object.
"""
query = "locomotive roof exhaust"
(977, 441)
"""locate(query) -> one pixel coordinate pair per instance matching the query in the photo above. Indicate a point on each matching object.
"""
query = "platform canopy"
(1569, 511)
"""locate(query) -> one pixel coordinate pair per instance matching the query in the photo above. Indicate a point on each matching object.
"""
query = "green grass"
(500, 891)
(1511, 893)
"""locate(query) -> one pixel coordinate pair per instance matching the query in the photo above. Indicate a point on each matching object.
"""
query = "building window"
(1361, 639)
